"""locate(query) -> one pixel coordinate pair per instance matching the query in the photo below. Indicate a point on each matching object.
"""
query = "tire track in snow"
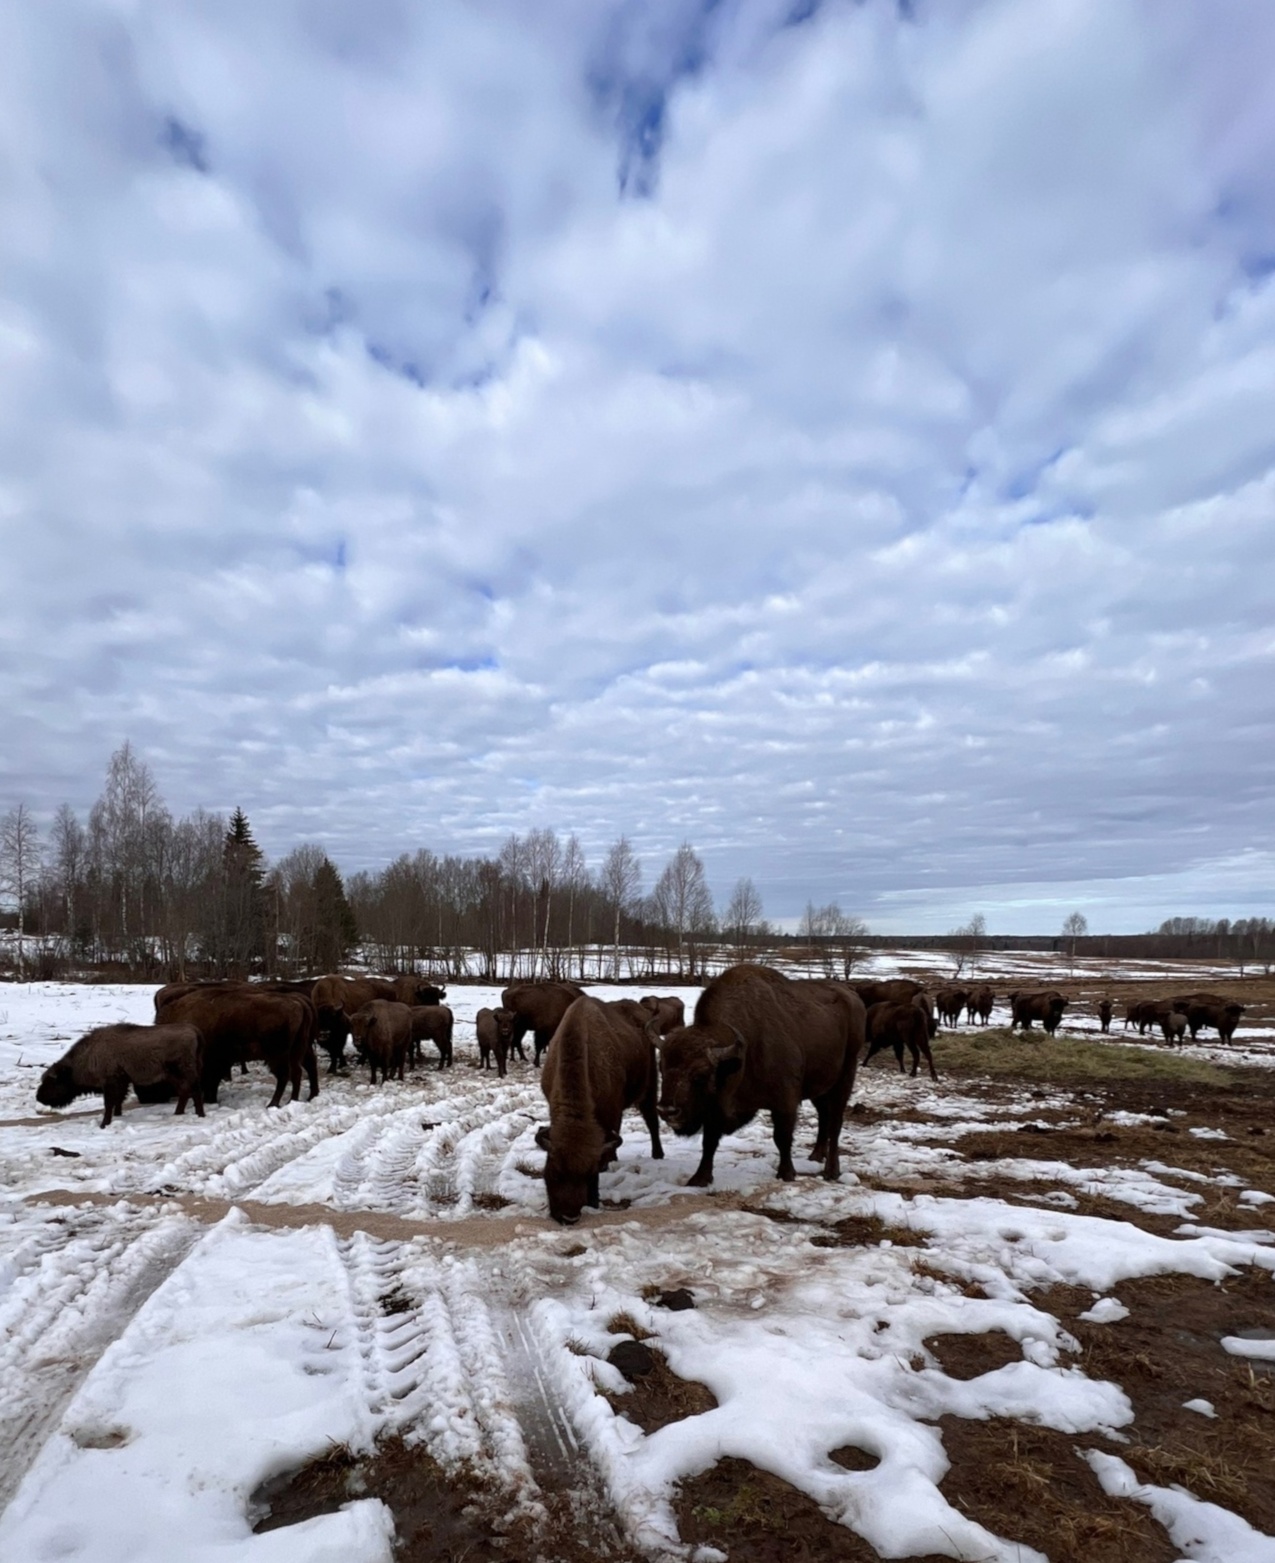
(74, 1296)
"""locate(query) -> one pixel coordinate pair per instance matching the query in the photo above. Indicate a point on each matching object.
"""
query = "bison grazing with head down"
(759, 1042)
(432, 1023)
(898, 1026)
(538, 1007)
(112, 1058)
(602, 1061)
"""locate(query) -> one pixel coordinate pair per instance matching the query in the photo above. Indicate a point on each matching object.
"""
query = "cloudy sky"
(841, 435)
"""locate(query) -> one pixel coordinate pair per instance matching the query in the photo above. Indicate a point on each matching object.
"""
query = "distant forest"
(132, 888)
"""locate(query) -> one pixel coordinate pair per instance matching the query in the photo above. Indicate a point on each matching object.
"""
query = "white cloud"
(846, 445)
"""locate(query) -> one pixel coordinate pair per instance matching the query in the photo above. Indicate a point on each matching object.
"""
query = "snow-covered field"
(190, 1307)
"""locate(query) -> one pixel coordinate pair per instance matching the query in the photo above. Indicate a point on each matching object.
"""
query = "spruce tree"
(336, 932)
(243, 874)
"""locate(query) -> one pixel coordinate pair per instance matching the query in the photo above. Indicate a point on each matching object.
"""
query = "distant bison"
(760, 1043)
(416, 991)
(1104, 1015)
(1222, 1015)
(1047, 1007)
(949, 1002)
(669, 1013)
(892, 990)
(111, 1058)
(602, 1061)
(982, 1002)
(432, 1023)
(239, 1023)
(1173, 1025)
(382, 1033)
(538, 1007)
(494, 1029)
(898, 1026)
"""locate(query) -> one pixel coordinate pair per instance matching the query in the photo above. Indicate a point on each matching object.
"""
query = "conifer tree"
(335, 930)
(243, 877)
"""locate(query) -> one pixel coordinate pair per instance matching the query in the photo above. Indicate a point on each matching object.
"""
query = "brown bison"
(893, 990)
(416, 991)
(1104, 1015)
(538, 1007)
(1221, 1014)
(760, 1043)
(1046, 1007)
(239, 1023)
(982, 1003)
(898, 1026)
(431, 1023)
(335, 999)
(382, 1032)
(949, 1002)
(925, 1004)
(495, 1031)
(669, 1013)
(1173, 1026)
(111, 1058)
(602, 1061)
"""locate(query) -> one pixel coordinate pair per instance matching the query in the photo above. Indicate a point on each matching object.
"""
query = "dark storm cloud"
(840, 438)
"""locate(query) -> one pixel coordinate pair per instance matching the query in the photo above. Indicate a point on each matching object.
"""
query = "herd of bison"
(758, 1042)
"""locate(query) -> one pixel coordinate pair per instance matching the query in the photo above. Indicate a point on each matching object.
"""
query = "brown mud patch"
(658, 1397)
(755, 1517)
(1029, 1485)
(1168, 1351)
(440, 1516)
(970, 1356)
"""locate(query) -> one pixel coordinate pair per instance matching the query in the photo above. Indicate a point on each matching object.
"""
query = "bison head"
(504, 1024)
(572, 1164)
(56, 1087)
(697, 1068)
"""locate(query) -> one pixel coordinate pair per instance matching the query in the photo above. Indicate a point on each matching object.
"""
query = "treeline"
(132, 887)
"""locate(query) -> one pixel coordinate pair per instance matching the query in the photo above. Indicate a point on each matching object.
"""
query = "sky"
(839, 435)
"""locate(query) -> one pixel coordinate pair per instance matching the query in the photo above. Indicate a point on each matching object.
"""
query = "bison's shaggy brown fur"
(759, 1042)
(538, 1007)
(982, 1002)
(1045, 1006)
(602, 1061)
(432, 1023)
(383, 1035)
(669, 1012)
(239, 1023)
(898, 1026)
(949, 1002)
(416, 991)
(893, 990)
(495, 1031)
(111, 1058)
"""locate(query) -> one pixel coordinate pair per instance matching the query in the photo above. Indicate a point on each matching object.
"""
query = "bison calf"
(112, 1058)
(495, 1030)
(898, 1026)
(432, 1023)
(383, 1033)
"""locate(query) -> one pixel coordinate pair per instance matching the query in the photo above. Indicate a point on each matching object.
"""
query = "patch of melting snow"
(1107, 1310)
(1260, 1346)
(1205, 1532)
(1201, 1407)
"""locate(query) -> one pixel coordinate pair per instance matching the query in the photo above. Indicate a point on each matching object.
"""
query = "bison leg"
(113, 1094)
(312, 1071)
(197, 1091)
(501, 1064)
(542, 1040)
(280, 1080)
(703, 1174)
(652, 1120)
(783, 1123)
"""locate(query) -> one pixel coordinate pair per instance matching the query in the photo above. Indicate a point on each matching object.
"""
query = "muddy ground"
(1025, 1483)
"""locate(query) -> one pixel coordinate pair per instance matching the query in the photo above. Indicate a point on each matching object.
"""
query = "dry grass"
(1066, 1061)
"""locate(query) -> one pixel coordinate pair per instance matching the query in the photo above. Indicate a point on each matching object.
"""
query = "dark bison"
(669, 1013)
(1221, 1014)
(925, 1004)
(1046, 1007)
(111, 1058)
(239, 1023)
(335, 999)
(417, 991)
(538, 1007)
(893, 990)
(382, 1032)
(1173, 1026)
(982, 1002)
(949, 1002)
(898, 1026)
(495, 1030)
(1104, 1015)
(602, 1061)
(431, 1023)
(759, 1042)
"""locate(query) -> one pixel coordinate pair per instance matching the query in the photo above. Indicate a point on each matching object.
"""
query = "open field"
(1035, 1319)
